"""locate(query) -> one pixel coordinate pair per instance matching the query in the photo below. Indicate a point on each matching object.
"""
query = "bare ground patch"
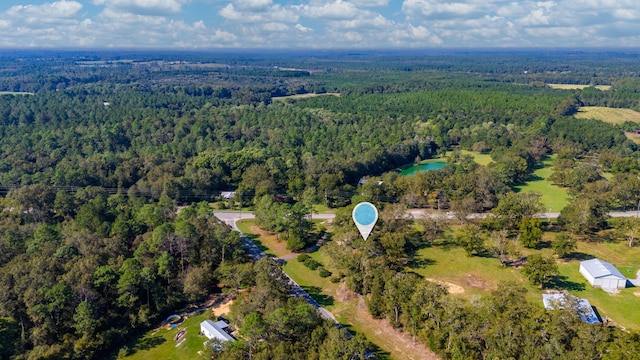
(276, 245)
(478, 282)
(451, 287)
(343, 294)
(223, 308)
(399, 344)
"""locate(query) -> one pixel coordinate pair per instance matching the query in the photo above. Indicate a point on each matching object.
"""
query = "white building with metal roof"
(582, 306)
(602, 274)
(215, 330)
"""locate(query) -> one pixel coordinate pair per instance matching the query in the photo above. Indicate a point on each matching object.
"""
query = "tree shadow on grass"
(372, 348)
(150, 342)
(561, 282)
(316, 293)
(544, 245)
(417, 263)
(576, 255)
(256, 240)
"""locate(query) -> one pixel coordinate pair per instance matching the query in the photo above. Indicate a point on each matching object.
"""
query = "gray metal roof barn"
(602, 274)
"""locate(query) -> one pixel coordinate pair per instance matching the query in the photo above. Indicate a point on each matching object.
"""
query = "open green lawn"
(553, 197)
(159, 343)
(480, 159)
(477, 276)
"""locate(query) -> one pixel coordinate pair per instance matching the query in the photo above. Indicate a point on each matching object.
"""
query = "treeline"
(80, 274)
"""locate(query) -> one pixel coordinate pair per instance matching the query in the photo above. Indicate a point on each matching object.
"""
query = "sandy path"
(403, 345)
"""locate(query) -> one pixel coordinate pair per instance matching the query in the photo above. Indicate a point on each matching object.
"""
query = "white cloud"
(366, 20)
(430, 7)
(275, 13)
(144, 6)
(45, 13)
(275, 26)
(253, 4)
(303, 28)
(370, 3)
(333, 10)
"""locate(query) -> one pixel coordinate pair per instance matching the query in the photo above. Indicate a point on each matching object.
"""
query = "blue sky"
(192, 24)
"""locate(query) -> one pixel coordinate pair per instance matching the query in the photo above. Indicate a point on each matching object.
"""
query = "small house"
(602, 274)
(215, 330)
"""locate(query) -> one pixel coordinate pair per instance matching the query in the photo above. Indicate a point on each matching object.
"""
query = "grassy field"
(480, 159)
(159, 343)
(303, 96)
(15, 93)
(476, 276)
(622, 308)
(553, 197)
(633, 137)
(576, 86)
(608, 115)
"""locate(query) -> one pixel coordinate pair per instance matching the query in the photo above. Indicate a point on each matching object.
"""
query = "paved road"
(230, 218)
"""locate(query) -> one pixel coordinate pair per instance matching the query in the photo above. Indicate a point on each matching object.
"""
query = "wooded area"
(95, 163)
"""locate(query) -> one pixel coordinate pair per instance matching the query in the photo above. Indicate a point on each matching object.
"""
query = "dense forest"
(98, 150)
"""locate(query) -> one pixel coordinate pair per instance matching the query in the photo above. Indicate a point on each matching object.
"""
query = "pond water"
(436, 165)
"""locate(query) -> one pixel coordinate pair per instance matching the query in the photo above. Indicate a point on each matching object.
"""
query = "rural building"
(215, 330)
(228, 195)
(559, 302)
(602, 274)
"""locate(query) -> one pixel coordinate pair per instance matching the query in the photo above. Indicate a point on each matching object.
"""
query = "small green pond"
(435, 165)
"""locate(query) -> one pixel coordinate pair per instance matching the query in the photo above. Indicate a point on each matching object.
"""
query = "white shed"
(215, 330)
(602, 274)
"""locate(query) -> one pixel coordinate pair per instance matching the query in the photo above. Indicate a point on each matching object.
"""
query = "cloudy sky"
(319, 23)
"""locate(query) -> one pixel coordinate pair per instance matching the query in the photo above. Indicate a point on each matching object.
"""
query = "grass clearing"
(553, 197)
(578, 87)
(621, 307)
(159, 344)
(16, 93)
(303, 96)
(480, 159)
(633, 137)
(478, 276)
(609, 115)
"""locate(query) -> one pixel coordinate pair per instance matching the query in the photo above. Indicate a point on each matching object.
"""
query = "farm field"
(633, 137)
(16, 93)
(609, 115)
(577, 86)
(303, 96)
(553, 197)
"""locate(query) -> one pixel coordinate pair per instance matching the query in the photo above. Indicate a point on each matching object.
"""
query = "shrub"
(335, 279)
(303, 257)
(311, 264)
(324, 273)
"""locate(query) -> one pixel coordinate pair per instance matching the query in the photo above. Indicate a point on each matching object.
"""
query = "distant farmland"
(303, 96)
(15, 93)
(577, 86)
(608, 115)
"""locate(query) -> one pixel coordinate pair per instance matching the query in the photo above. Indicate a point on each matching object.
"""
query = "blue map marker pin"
(365, 216)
